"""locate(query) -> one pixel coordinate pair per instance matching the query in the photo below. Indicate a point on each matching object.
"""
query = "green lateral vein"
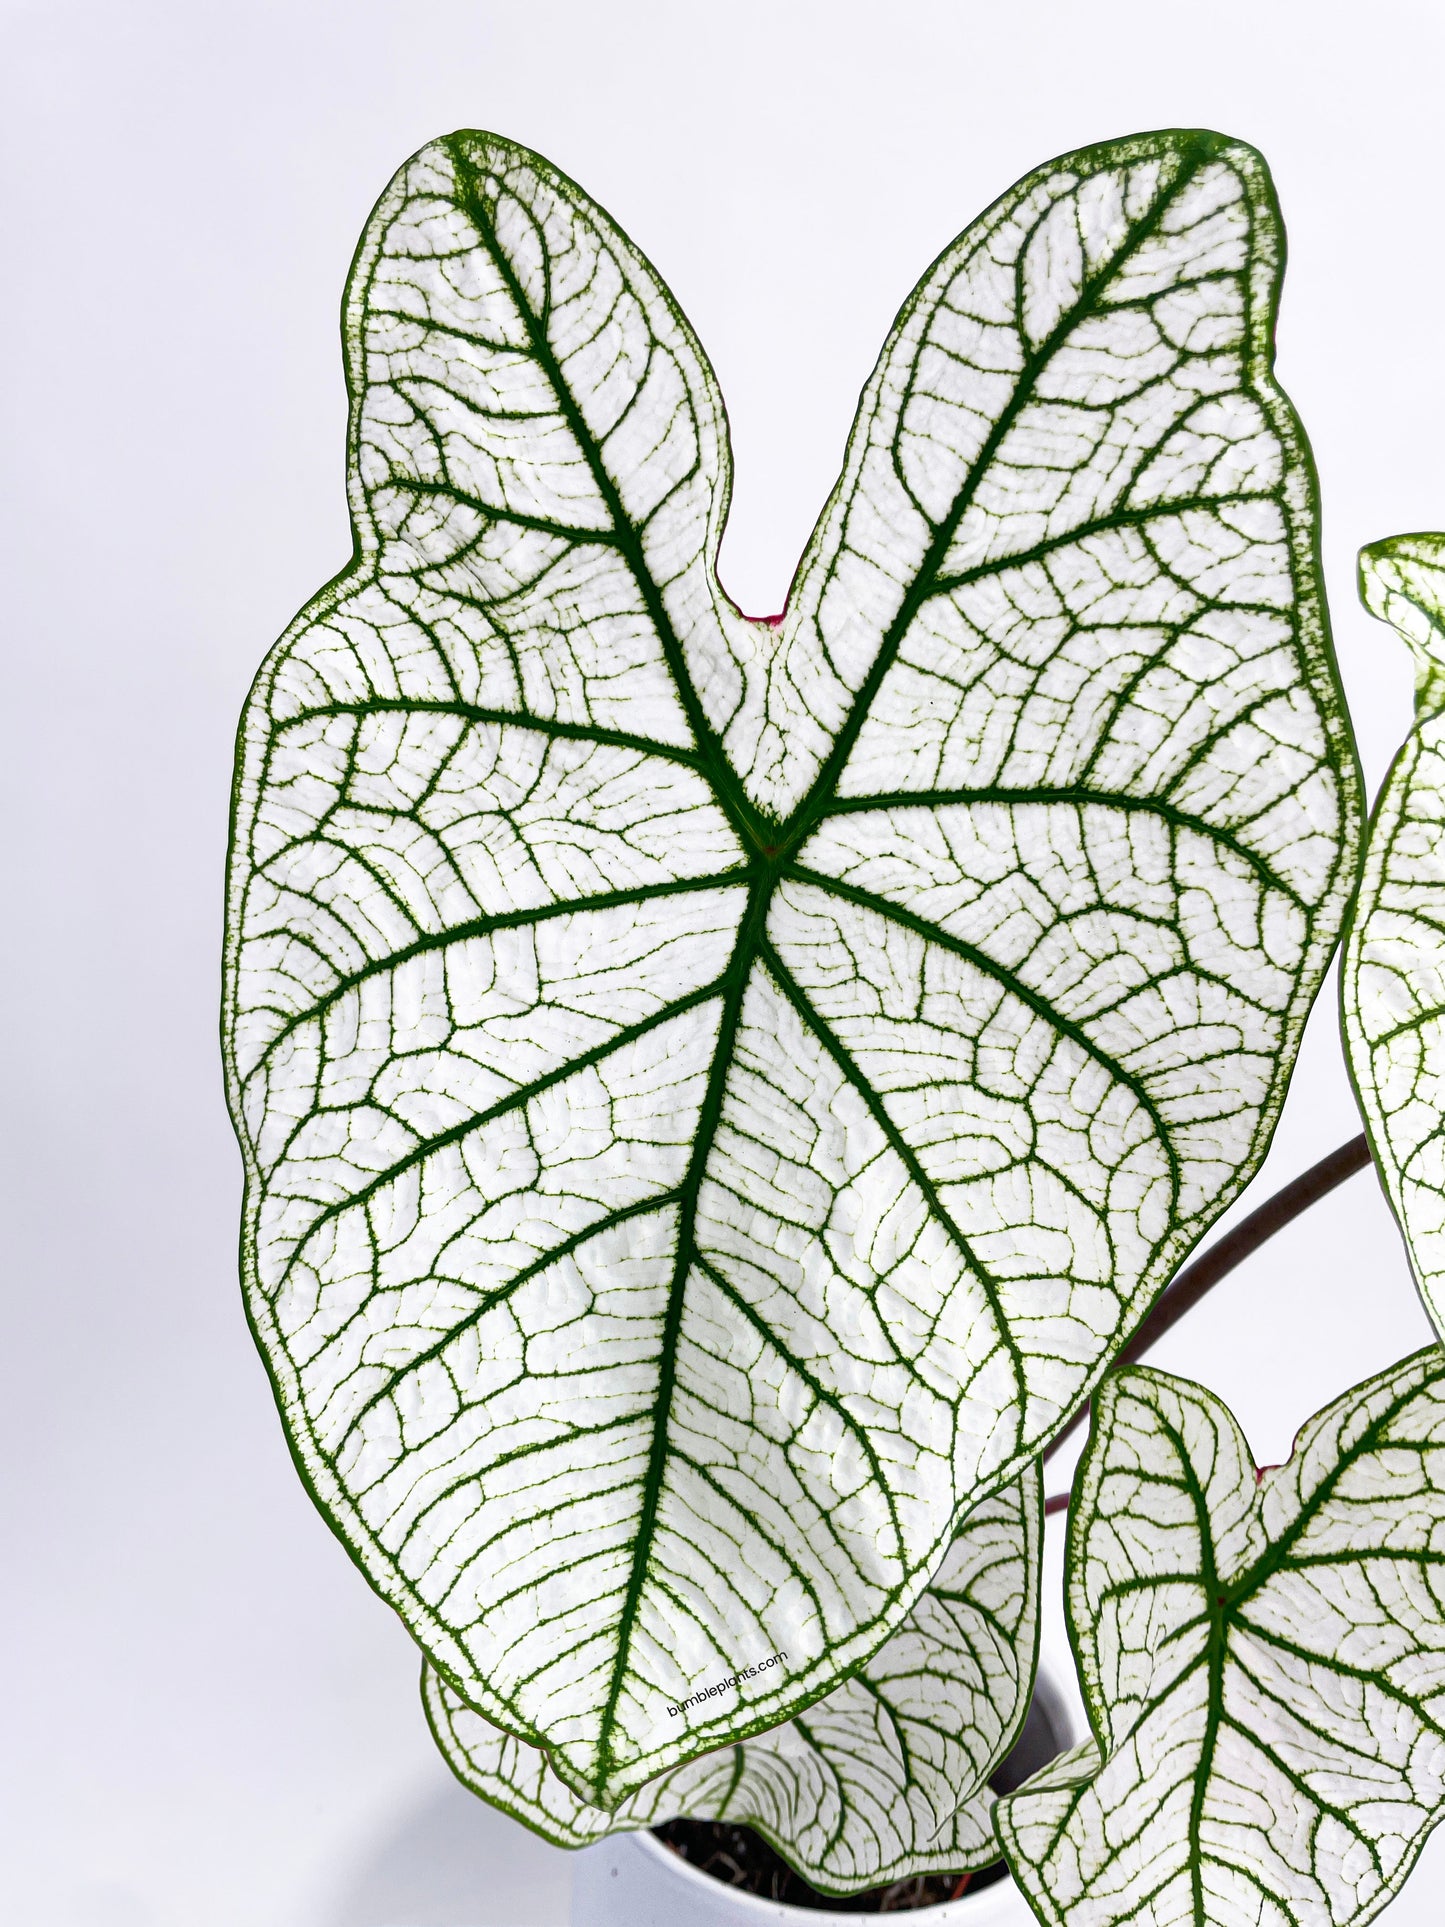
(514, 1100)
(1007, 796)
(843, 1058)
(1119, 518)
(494, 512)
(491, 1299)
(486, 926)
(1377, 1680)
(807, 1377)
(505, 719)
(1009, 981)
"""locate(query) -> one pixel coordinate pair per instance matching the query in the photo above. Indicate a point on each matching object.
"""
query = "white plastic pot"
(633, 1880)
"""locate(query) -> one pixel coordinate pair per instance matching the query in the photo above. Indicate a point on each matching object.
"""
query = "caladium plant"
(716, 1094)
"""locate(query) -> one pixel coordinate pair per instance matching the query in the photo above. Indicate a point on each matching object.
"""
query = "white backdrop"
(207, 1719)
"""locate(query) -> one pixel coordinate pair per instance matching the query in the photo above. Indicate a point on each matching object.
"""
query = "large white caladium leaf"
(885, 1778)
(716, 1093)
(1263, 1659)
(1393, 981)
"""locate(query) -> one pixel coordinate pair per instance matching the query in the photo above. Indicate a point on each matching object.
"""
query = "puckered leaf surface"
(1263, 1659)
(885, 1778)
(716, 1093)
(1393, 980)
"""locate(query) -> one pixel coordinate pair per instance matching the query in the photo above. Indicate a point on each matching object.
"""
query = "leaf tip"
(1402, 582)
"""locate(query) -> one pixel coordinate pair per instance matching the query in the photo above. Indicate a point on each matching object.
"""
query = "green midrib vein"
(739, 970)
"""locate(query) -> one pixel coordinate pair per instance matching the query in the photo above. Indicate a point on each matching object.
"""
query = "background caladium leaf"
(1263, 1659)
(1393, 980)
(885, 1778)
(716, 1093)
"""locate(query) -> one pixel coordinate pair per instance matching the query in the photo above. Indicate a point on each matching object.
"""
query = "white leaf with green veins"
(716, 1093)
(1263, 1660)
(1393, 981)
(885, 1778)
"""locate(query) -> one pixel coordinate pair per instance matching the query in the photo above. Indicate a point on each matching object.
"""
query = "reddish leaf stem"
(1221, 1258)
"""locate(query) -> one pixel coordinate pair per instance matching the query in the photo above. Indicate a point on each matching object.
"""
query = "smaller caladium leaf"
(1263, 1660)
(885, 1778)
(1393, 983)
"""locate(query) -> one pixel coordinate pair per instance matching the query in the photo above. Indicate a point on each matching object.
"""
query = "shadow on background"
(451, 1861)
